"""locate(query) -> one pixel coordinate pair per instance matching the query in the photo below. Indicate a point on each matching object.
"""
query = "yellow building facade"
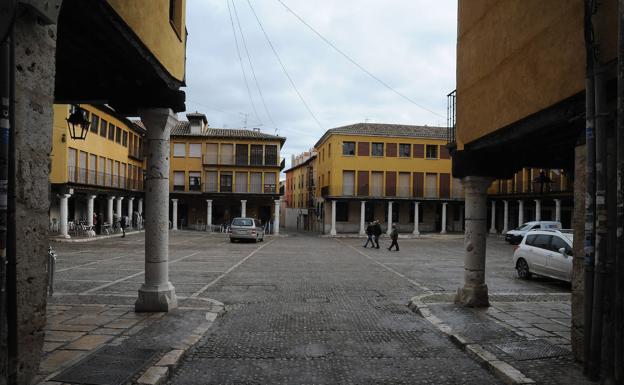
(300, 192)
(105, 168)
(385, 169)
(219, 174)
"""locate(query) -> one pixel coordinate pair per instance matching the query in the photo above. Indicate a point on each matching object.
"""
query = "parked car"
(545, 252)
(246, 228)
(515, 236)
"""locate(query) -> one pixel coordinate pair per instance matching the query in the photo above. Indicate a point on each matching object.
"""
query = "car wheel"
(522, 268)
(231, 240)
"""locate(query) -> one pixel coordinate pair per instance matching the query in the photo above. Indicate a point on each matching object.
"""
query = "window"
(103, 126)
(256, 154)
(269, 182)
(122, 175)
(124, 141)
(101, 171)
(241, 182)
(227, 154)
(270, 155)
(378, 149)
(542, 241)
(405, 150)
(111, 132)
(348, 148)
(179, 150)
(348, 183)
(71, 164)
(226, 182)
(95, 123)
(195, 150)
(175, 16)
(558, 243)
(211, 181)
(256, 182)
(118, 135)
(432, 151)
(178, 181)
(212, 153)
(242, 156)
(195, 181)
(92, 167)
(82, 167)
(342, 211)
(329, 151)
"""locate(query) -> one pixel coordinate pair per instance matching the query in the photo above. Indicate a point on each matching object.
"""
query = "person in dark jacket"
(122, 224)
(394, 235)
(376, 233)
(369, 234)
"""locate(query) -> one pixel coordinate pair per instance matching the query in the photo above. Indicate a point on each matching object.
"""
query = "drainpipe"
(618, 354)
(590, 187)
(600, 255)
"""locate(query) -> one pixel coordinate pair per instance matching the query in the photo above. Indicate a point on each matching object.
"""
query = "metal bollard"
(51, 268)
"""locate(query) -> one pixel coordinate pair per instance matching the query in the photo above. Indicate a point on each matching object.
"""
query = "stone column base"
(473, 296)
(156, 299)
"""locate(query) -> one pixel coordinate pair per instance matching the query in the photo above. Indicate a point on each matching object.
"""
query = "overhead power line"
(240, 28)
(292, 83)
(240, 59)
(356, 63)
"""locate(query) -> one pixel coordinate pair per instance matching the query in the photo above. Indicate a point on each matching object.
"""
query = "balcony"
(212, 159)
(88, 177)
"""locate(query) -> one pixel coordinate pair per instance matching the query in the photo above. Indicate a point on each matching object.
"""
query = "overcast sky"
(409, 44)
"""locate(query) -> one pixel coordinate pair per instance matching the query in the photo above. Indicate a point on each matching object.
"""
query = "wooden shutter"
(391, 149)
(419, 184)
(391, 183)
(419, 151)
(555, 177)
(519, 181)
(362, 183)
(363, 149)
(444, 153)
(445, 185)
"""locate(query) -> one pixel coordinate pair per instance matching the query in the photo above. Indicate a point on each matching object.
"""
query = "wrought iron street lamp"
(78, 123)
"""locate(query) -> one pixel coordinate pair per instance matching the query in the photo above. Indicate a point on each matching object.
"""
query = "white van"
(515, 236)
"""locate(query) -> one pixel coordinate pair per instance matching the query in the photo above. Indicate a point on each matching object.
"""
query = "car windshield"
(242, 222)
(525, 227)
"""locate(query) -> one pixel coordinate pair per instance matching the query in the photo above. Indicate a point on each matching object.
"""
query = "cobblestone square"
(307, 309)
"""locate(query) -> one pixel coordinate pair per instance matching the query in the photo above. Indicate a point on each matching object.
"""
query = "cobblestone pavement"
(305, 309)
(309, 310)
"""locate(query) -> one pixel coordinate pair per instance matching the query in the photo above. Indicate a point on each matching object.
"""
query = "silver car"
(246, 228)
(545, 252)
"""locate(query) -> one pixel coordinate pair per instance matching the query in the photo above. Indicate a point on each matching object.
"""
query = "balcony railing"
(451, 115)
(212, 159)
(91, 177)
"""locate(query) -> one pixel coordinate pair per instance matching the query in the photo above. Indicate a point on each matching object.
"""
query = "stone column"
(63, 219)
(389, 230)
(520, 213)
(174, 215)
(493, 225)
(443, 230)
(118, 210)
(243, 208)
(209, 215)
(109, 211)
(505, 217)
(332, 231)
(475, 292)
(362, 217)
(157, 293)
(538, 210)
(276, 220)
(140, 206)
(416, 218)
(130, 211)
(558, 210)
(90, 200)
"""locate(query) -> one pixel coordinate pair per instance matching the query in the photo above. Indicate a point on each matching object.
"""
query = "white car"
(515, 236)
(246, 228)
(545, 252)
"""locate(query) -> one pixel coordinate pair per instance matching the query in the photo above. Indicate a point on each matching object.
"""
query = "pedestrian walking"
(122, 224)
(369, 235)
(376, 233)
(394, 235)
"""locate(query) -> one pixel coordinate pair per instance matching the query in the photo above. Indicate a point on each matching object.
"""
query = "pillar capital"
(476, 184)
(130, 198)
(92, 196)
(111, 197)
(120, 198)
(65, 196)
(243, 200)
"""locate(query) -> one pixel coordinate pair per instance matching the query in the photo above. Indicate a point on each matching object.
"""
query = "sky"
(408, 44)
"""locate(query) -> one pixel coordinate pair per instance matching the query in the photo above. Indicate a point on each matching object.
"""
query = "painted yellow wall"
(149, 19)
(296, 192)
(515, 58)
(93, 144)
(188, 164)
(331, 161)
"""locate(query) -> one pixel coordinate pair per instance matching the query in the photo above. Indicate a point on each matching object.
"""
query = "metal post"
(618, 354)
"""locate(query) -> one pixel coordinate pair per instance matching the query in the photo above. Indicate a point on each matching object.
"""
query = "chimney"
(197, 122)
(256, 129)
